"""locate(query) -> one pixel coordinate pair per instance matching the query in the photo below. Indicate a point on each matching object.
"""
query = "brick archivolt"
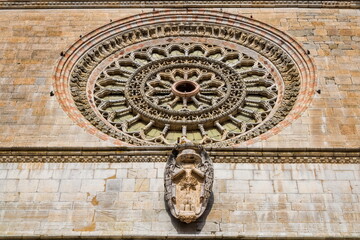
(126, 49)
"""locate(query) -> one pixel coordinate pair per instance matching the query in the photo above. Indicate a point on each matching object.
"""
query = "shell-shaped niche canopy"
(215, 78)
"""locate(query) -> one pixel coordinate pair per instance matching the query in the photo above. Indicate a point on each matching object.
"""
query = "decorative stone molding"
(168, 236)
(111, 155)
(188, 180)
(262, 79)
(37, 4)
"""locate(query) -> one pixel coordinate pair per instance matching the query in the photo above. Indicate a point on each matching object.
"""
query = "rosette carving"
(214, 84)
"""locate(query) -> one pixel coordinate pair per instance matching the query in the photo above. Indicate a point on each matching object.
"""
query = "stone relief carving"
(142, 81)
(12, 4)
(208, 77)
(206, 93)
(189, 176)
(337, 156)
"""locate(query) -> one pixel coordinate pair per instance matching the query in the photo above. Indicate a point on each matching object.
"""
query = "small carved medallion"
(189, 176)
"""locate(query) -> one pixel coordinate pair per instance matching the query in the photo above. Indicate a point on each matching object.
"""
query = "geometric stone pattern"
(31, 117)
(135, 93)
(315, 200)
(171, 4)
(143, 155)
(250, 101)
(127, 200)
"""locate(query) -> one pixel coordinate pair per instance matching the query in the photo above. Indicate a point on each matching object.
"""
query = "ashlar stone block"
(16, 174)
(113, 185)
(48, 185)
(142, 185)
(310, 186)
(7, 186)
(284, 186)
(128, 185)
(237, 186)
(28, 185)
(337, 187)
(104, 173)
(91, 185)
(72, 185)
(243, 174)
(261, 187)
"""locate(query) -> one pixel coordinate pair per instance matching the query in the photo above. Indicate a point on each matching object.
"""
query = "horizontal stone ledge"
(163, 150)
(73, 4)
(173, 237)
(160, 154)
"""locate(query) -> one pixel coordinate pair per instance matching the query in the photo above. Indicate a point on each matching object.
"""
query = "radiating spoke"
(106, 92)
(209, 77)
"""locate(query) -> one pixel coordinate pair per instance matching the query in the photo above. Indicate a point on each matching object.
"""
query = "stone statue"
(189, 176)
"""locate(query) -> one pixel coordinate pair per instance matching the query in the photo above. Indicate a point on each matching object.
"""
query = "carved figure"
(189, 176)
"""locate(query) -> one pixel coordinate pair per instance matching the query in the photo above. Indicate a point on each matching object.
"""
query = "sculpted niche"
(189, 176)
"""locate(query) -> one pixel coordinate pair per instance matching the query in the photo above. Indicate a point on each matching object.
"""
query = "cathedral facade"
(179, 119)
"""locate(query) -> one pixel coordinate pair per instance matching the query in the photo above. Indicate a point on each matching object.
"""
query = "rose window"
(215, 78)
(205, 92)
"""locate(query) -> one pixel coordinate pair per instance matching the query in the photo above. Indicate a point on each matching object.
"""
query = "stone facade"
(30, 53)
(116, 81)
(127, 199)
(301, 182)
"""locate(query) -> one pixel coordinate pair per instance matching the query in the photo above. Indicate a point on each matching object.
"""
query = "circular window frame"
(284, 42)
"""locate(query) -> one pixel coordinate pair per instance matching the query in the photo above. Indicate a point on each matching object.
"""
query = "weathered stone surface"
(188, 181)
(331, 121)
(297, 207)
(74, 199)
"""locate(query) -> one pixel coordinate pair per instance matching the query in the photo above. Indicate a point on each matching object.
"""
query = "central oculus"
(185, 88)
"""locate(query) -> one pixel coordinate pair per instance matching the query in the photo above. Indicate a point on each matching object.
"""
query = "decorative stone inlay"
(152, 84)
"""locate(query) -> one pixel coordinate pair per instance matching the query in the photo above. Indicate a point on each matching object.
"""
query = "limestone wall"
(126, 199)
(31, 42)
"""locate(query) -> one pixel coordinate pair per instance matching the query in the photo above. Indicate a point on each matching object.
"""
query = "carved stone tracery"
(241, 84)
(241, 95)
(235, 93)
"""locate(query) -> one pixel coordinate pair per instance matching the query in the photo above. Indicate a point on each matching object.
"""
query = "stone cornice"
(72, 4)
(174, 237)
(160, 154)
